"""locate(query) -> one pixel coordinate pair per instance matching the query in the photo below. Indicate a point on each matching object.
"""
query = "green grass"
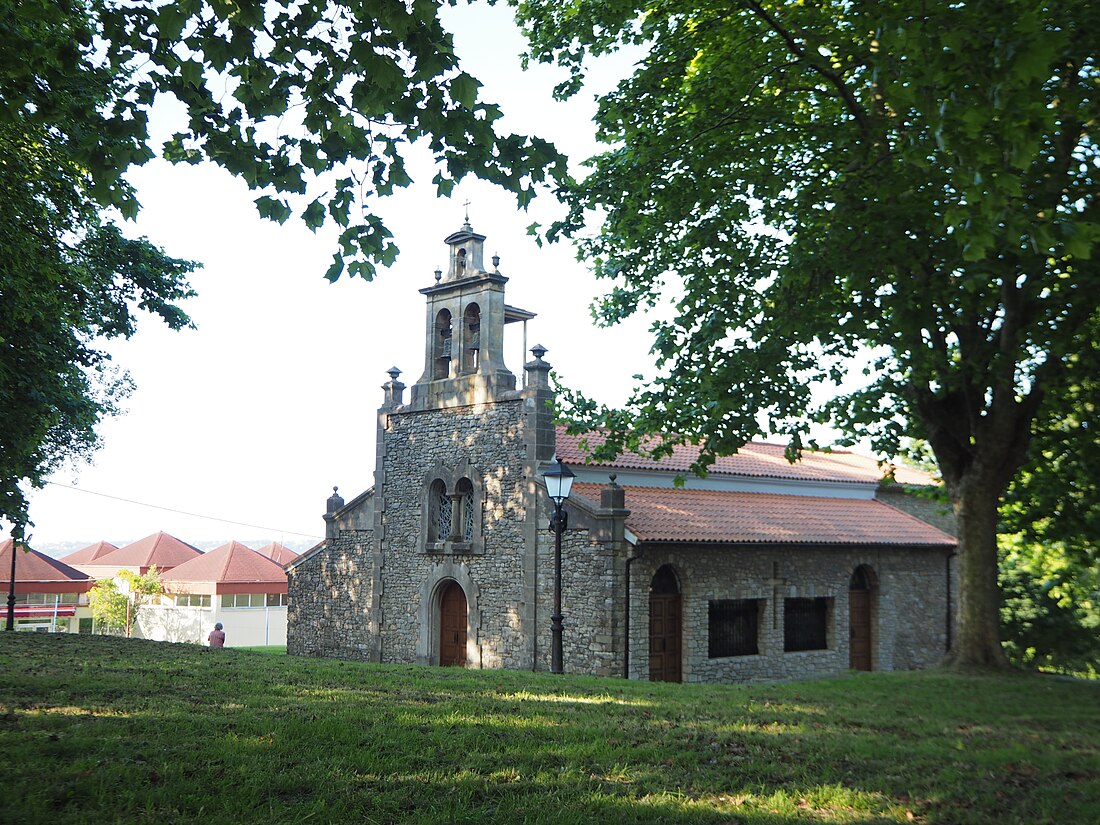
(278, 649)
(99, 729)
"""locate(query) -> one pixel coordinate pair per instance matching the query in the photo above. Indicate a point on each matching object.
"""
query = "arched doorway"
(665, 646)
(860, 588)
(452, 626)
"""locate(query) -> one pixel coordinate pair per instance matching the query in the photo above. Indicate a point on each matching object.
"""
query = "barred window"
(805, 624)
(733, 628)
(443, 505)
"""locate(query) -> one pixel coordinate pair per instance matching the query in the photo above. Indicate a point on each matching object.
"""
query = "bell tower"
(464, 331)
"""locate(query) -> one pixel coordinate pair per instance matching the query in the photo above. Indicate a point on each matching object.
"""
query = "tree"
(1051, 609)
(817, 180)
(68, 279)
(115, 602)
(110, 606)
(313, 104)
(1050, 554)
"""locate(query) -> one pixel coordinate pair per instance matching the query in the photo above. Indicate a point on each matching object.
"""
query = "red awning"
(41, 611)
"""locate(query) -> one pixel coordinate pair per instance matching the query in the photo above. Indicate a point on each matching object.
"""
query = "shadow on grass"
(124, 730)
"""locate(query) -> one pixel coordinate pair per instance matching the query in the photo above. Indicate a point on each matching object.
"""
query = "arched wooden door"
(859, 619)
(665, 646)
(452, 626)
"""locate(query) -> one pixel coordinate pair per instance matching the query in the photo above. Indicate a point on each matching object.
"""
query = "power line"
(181, 512)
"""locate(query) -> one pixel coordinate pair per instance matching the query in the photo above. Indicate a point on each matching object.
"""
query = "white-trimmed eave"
(665, 479)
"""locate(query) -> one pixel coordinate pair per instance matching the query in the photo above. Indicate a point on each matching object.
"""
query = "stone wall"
(329, 596)
(491, 438)
(908, 607)
(591, 600)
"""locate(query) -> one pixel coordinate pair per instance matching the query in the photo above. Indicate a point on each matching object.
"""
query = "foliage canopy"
(313, 104)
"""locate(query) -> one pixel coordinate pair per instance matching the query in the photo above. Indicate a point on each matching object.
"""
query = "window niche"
(441, 360)
(734, 627)
(471, 343)
(806, 624)
(451, 510)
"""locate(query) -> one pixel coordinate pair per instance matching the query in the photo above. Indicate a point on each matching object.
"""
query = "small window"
(733, 629)
(192, 600)
(244, 600)
(276, 599)
(805, 624)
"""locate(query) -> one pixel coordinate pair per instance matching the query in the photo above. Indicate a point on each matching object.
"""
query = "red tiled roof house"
(50, 596)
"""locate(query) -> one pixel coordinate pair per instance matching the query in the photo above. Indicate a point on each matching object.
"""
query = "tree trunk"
(977, 638)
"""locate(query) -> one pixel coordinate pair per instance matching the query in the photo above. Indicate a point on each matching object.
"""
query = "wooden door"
(664, 637)
(859, 629)
(452, 626)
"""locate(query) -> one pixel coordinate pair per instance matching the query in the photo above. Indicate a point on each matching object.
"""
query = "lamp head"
(559, 481)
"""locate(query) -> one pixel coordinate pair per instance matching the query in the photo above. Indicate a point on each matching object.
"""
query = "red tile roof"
(278, 553)
(161, 549)
(232, 563)
(754, 459)
(680, 515)
(89, 554)
(32, 567)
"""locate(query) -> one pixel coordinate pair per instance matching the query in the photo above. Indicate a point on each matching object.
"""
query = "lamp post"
(559, 480)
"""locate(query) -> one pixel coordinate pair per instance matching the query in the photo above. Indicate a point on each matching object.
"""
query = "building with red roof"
(160, 550)
(233, 584)
(762, 569)
(50, 596)
(278, 553)
(88, 555)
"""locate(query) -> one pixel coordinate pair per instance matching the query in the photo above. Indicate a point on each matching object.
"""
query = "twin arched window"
(451, 517)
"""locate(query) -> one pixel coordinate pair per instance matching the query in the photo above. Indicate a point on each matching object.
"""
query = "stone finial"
(438, 275)
(538, 371)
(613, 496)
(496, 263)
(393, 388)
(335, 501)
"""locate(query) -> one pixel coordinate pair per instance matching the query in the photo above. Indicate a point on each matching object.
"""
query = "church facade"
(762, 570)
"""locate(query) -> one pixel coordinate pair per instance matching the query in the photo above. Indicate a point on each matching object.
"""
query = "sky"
(240, 428)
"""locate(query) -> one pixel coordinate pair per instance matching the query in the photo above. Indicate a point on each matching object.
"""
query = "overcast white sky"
(253, 417)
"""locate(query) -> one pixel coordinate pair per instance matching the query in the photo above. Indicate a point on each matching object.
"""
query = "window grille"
(443, 506)
(805, 624)
(733, 628)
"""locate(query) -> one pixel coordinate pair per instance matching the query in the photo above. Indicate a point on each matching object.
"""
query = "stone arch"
(471, 338)
(431, 592)
(441, 345)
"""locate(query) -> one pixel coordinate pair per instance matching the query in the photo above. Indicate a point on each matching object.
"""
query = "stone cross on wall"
(775, 582)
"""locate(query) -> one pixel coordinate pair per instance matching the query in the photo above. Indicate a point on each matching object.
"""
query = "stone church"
(762, 570)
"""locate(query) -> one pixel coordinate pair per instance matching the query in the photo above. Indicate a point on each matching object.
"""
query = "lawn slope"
(100, 730)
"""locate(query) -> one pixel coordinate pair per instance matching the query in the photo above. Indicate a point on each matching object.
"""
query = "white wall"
(244, 626)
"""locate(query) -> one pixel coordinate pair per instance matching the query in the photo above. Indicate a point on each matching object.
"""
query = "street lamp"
(559, 480)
